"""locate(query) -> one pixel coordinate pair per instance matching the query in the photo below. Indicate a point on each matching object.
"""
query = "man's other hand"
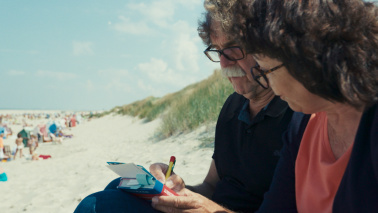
(188, 201)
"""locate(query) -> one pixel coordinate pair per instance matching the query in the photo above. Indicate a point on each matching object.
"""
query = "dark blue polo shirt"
(246, 151)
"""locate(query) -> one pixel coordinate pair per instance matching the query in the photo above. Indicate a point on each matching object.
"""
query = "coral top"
(318, 173)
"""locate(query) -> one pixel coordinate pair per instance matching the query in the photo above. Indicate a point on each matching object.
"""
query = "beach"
(77, 166)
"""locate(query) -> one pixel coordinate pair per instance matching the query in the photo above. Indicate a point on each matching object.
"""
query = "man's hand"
(175, 182)
(187, 202)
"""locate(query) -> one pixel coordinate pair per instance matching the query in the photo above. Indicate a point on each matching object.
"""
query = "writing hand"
(187, 202)
(175, 182)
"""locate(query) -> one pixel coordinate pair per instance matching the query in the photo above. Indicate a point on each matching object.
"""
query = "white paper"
(127, 170)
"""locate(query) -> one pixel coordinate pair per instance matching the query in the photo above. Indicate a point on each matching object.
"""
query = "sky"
(97, 54)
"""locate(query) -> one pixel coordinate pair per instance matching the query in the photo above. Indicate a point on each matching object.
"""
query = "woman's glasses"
(261, 77)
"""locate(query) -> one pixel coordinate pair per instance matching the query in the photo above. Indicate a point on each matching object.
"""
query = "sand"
(78, 165)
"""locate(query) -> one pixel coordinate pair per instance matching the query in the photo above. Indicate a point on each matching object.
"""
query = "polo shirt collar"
(273, 109)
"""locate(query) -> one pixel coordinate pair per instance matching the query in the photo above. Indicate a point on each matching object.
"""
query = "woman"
(321, 57)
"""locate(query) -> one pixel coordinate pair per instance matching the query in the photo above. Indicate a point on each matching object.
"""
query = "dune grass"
(202, 105)
(184, 110)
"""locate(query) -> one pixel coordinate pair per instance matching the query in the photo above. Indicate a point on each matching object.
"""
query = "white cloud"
(127, 26)
(185, 47)
(55, 75)
(82, 48)
(16, 72)
(157, 70)
(158, 12)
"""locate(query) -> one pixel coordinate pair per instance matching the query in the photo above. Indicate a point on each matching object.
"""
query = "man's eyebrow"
(230, 44)
(225, 45)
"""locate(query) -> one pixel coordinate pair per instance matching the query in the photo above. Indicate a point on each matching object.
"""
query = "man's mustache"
(233, 71)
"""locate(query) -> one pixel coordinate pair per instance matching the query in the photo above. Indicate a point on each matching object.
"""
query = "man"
(248, 131)
(247, 140)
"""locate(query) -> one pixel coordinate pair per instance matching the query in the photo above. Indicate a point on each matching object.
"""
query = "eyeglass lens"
(231, 53)
(260, 77)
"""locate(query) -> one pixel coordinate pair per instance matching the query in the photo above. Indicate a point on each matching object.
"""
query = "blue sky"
(97, 54)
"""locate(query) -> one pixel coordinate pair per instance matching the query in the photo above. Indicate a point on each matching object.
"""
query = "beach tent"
(43, 130)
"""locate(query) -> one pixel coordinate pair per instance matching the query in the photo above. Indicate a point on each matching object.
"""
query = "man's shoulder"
(235, 99)
(232, 106)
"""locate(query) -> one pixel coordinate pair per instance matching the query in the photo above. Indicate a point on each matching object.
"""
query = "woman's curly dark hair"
(330, 46)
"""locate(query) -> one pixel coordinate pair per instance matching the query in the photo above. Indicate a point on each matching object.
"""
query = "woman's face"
(291, 90)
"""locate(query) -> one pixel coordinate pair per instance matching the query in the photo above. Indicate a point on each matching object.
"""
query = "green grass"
(201, 106)
(185, 110)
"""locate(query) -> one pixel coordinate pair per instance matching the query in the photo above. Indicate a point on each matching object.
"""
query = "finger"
(165, 206)
(158, 170)
(177, 202)
(175, 182)
(186, 192)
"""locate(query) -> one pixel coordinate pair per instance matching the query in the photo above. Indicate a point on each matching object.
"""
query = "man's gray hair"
(226, 13)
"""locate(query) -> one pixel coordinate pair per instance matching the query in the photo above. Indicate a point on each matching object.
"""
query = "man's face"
(236, 71)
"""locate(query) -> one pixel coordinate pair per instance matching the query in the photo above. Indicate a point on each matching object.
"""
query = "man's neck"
(257, 103)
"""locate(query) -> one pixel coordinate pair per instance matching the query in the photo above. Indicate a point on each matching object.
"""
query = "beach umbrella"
(53, 128)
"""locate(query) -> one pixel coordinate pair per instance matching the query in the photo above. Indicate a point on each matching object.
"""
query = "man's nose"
(224, 62)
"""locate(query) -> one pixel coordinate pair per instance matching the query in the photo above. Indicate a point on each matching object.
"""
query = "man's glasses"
(262, 79)
(231, 53)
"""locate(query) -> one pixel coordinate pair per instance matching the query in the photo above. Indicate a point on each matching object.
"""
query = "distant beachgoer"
(20, 145)
(61, 134)
(32, 143)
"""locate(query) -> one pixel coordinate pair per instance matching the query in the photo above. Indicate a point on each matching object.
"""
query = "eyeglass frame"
(263, 74)
(221, 52)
